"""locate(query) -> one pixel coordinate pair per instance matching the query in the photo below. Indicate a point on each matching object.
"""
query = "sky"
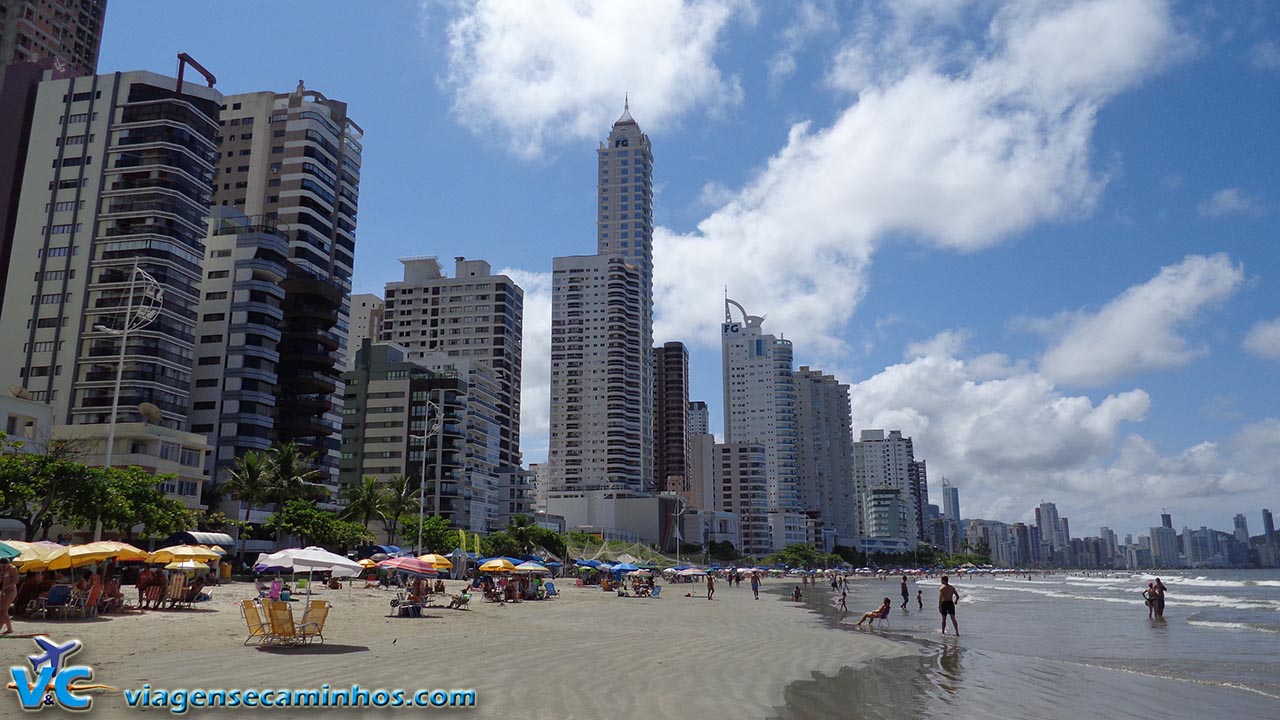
(1040, 238)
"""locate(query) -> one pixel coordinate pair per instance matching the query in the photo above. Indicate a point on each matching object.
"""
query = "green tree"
(437, 536)
(722, 551)
(313, 526)
(500, 543)
(797, 556)
(399, 499)
(294, 475)
(521, 529)
(365, 501)
(251, 481)
(37, 489)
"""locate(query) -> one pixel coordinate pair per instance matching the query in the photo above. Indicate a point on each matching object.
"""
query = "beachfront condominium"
(740, 477)
(69, 32)
(759, 399)
(366, 323)
(918, 479)
(951, 514)
(699, 418)
(474, 316)
(602, 332)
(824, 455)
(882, 466)
(434, 422)
(109, 236)
(1054, 547)
(293, 160)
(57, 36)
(671, 417)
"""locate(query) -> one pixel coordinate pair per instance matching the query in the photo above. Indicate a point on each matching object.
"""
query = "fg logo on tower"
(49, 682)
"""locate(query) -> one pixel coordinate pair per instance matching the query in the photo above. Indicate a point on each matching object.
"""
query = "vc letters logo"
(49, 682)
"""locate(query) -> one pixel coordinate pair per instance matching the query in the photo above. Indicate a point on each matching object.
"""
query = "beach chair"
(656, 591)
(550, 587)
(259, 631)
(276, 587)
(461, 602)
(57, 601)
(280, 617)
(176, 595)
(881, 619)
(312, 625)
(86, 605)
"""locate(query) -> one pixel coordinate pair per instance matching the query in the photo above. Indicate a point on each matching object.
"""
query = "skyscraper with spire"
(602, 331)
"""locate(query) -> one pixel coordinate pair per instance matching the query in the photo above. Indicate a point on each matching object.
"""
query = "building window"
(212, 360)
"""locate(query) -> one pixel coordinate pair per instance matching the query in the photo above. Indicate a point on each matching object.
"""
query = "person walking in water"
(906, 594)
(947, 599)
(711, 585)
(920, 598)
(843, 607)
(1149, 596)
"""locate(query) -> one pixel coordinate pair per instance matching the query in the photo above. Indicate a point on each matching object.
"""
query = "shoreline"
(585, 654)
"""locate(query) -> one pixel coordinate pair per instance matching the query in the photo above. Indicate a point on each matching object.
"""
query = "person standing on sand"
(755, 584)
(906, 594)
(711, 586)
(8, 591)
(947, 599)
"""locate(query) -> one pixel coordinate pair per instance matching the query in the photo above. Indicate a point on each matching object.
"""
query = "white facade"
(739, 474)
(759, 400)
(474, 316)
(602, 331)
(699, 418)
(366, 323)
(825, 454)
(881, 464)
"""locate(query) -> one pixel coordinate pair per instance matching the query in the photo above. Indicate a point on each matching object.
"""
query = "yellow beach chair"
(280, 616)
(177, 594)
(259, 631)
(312, 625)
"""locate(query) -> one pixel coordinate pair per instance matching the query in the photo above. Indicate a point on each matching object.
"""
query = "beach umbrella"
(187, 565)
(31, 556)
(640, 573)
(216, 548)
(7, 551)
(438, 561)
(691, 572)
(308, 560)
(367, 563)
(530, 567)
(119, 550)
(411, 565)
(624, 567)
(74, 556)
(182, 552)
(497, 565)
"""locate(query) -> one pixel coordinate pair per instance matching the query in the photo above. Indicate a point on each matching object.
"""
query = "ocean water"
(1061, 646)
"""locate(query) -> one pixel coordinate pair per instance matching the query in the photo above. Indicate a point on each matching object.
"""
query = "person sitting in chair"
(878, 614)
(461, 600)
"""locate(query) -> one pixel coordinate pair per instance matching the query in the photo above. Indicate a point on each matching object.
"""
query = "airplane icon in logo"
(54, 655)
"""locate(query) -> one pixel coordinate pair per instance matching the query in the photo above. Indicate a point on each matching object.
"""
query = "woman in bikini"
(8, 591)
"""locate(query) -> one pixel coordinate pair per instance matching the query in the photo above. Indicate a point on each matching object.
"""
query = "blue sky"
(1039, 238)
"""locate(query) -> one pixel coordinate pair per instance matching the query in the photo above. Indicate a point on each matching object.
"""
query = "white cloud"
(542, 73)
(811, 19)
(1265, 56)
(535, 377)
(1008, 438)
(960, 159)
(1263, 339)
(1231, 201)
(1139, 329)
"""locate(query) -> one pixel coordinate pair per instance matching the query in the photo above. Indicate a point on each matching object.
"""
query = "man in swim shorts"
(947, 599)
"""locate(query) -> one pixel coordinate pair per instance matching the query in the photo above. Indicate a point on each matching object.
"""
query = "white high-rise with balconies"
(882, 464)
(602, 332)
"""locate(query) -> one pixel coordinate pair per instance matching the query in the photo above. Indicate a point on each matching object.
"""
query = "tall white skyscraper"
(602, 332)
(825, 453)
(882, 463)
(759, 400)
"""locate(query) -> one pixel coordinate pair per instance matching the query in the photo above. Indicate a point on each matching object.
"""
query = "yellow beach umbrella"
(439, 561)
(119, 550)
(216, 548)
(32, 556)
(182, 552)
(74, 556)
(497, 565)
(367, 563)
(187, 565)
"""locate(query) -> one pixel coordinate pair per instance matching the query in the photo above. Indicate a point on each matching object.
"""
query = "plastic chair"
(86, 606)
(550, 587)
(276, 586)
(881, 619)
(312, 625)
(283, 630)
(58, 600)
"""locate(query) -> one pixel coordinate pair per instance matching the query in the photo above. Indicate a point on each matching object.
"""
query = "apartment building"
(671, 417)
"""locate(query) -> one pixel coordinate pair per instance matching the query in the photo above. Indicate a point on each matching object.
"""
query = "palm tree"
(251, 480)
(365, 501)
(293, 474)
(521, 530)
(399, 499)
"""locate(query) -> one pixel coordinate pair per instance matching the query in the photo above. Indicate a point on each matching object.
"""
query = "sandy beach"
(586, 654)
